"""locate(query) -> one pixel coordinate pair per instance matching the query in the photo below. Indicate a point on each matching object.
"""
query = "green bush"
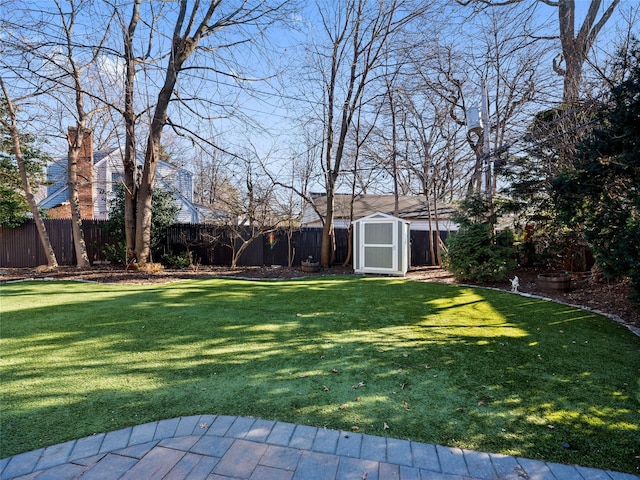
(599, 194)
(165, 213)
(181, 260)
(475, 252)
(14, 208)
(115, 253)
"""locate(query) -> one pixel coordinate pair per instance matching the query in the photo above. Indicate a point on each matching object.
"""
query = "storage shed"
(381, 245)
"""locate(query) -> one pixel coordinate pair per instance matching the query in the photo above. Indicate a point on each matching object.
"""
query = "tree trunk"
(145, 195)
(347, 260)
(326, 248)
(438, 258)
(291, 251)
(82, 259)
(52, 262)
(131, 182)
(425, 188)
(145, 190)
(394, 150)
(130, 197)
(183, 46)
(575, 47)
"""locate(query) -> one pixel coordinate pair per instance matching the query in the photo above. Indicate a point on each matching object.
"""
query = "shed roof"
(380, 216)
(410, 207)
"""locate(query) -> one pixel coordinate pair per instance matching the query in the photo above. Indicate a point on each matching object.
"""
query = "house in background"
(98, 175)
(412, 208)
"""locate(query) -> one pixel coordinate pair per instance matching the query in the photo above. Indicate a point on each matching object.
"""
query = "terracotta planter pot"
(554, 282)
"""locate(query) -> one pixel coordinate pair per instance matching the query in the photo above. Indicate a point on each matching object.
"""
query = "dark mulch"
(600, 295)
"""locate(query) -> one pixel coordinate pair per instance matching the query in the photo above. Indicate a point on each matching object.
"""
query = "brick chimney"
(85, 171)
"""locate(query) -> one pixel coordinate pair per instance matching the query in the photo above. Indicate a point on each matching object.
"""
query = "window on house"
(116, 178)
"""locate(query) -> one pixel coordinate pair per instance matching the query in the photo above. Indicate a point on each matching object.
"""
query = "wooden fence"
(208, 244)
(21, 247)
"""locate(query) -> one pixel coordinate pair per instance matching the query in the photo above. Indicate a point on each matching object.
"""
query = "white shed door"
(378, 245)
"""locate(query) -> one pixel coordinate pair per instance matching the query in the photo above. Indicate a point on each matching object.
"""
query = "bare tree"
(194, 50)
(357, 35)
(289, 210)
(432, 136)
(576, 45)
(74, 71)
(251, 212)
(604, 69)
(130, 117)
(54, 57)
(215, 189)
(361, 134)
(390, 98)
(444, 76)
(192, 25)
(290, 200)
(11, 125)
(507, 59)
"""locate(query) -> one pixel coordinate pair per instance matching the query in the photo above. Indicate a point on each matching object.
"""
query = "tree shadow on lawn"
(436, 363)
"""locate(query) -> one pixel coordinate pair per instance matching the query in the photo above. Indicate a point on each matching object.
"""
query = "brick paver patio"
(215, 447)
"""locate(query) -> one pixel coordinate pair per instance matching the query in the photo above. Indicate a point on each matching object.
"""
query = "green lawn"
(453, 365)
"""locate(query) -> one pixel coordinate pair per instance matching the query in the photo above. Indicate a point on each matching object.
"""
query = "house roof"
(410, 207)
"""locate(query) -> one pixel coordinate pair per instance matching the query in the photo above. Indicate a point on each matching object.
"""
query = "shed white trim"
(381, 245)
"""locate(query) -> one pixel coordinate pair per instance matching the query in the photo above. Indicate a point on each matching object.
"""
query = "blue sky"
(264, 111)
